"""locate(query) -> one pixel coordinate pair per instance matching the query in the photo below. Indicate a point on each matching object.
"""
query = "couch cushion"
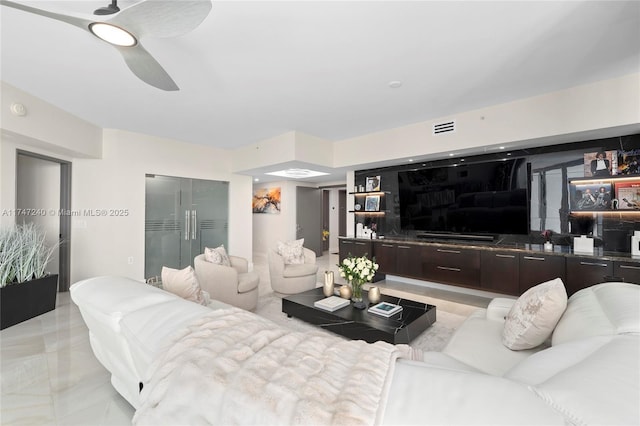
(478, 343)
(183, 283)
(535, 314)
(291, 252)
(600, 310)
(592, 381)
(302, 270)
(147, 330)
(421, 394)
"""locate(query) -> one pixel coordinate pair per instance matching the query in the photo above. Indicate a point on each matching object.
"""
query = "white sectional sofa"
(588, 372)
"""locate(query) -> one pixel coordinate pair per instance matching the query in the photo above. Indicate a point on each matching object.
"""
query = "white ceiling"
(254, 70)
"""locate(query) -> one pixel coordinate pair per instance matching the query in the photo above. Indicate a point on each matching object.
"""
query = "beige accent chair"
(292, 279)
(233, 284)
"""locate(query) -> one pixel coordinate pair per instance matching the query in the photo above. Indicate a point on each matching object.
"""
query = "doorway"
(43, 195)
(182, 217)
(309, 218)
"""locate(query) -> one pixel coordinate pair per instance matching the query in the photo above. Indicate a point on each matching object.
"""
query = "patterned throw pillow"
(183, 283)
(535, 314)
(217, 255)
(292, 252)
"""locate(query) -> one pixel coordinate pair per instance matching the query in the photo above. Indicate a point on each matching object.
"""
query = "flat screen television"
(476, 200)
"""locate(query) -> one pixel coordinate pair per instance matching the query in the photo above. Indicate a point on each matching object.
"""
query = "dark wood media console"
(508, 269)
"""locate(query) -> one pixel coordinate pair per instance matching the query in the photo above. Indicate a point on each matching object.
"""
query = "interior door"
(209, 214)
(309, 217)
(182, 217)
(166, 220)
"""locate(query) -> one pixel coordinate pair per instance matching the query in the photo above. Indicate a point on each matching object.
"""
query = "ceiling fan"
(124, 29)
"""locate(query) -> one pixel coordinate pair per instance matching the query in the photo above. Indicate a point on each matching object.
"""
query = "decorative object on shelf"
(325, 235)
(361, 188)
(628, 162)
(374, 295)
(357, 207)
(628, 194)
(635, 243)
(372, 203)
(590, 195)
(357, 271)
(373, 184)
(583, 244)
(547, 234)
(359, 229)
(601, 163)
(345, 292)
(328, 283)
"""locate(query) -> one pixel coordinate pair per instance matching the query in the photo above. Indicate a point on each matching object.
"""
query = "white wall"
(103, 244)
(548, 118)
(268, 229)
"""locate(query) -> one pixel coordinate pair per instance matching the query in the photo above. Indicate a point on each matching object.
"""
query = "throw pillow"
(534, 315)
(292, 252)
(217, 255)
(183, 283)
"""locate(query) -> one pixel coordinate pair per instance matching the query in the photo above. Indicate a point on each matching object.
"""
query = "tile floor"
(49, 375)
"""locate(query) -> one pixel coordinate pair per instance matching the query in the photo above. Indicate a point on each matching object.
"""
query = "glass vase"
(356, 296)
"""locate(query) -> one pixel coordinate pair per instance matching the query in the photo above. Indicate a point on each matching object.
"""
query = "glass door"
(182, 216)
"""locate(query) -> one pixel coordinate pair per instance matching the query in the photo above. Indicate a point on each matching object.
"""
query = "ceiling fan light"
(112, 34)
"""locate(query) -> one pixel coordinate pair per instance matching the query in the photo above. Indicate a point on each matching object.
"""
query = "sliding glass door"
(182, 217)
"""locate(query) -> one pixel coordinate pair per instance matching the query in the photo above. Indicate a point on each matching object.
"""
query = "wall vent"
(445, 127)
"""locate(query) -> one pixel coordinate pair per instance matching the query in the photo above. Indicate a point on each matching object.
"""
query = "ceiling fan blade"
(146, 68)
(69, 19)
(162, 18)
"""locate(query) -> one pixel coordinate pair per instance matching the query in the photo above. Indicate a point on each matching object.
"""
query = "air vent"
(446, 127)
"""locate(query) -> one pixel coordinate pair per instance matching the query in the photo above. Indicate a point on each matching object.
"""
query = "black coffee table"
(358, 324)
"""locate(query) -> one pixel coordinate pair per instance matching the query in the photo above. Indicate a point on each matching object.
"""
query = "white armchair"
(233, 284)
(292, 279)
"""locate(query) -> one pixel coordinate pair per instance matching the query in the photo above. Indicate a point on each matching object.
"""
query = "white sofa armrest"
(499, 308)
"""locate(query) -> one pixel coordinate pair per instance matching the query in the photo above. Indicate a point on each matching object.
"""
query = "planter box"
(20, 302)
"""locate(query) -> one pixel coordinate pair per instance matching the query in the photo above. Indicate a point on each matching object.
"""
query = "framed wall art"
(372, 184)
(372, 203)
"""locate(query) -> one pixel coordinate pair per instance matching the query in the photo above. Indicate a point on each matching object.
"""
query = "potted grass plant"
(26, 289)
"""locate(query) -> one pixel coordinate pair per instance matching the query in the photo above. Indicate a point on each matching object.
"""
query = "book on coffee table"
(332, 303)
(385, 309)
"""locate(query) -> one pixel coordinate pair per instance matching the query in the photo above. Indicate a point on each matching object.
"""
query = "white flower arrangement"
(358, 270)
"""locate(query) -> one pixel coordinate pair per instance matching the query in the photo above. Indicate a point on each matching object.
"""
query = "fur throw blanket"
(234, 367)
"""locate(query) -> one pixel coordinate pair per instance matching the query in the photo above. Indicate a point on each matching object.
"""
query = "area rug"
(432, 339)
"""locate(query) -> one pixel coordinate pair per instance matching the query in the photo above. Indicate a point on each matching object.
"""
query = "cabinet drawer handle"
(508, 256)
(387, 245)
(347, 242)
(446, 268)
(448, 251)
(361, 244)
(629, 267)
(404, 247)
(604, 265)
(534, 258)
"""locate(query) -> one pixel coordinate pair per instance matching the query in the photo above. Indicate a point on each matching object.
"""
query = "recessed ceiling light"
(297, 173)
(256, 180)
(502, 147)
(451, 154)
(411, 160)
(395, 84)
